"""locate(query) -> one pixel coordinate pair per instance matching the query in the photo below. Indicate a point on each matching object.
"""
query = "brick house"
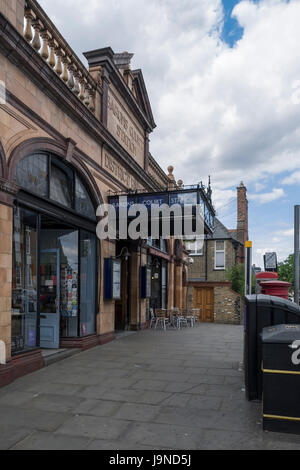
(208, 286)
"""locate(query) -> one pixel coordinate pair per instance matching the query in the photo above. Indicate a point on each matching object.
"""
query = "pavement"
(157, 390)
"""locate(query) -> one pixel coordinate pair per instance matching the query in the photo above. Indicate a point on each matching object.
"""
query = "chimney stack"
(242, 213)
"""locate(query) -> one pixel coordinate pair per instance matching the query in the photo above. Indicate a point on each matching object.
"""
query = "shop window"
(32, 174)
(155, 301)
(24, 281)
(164, 285)
(83, 201)
(159, 283)
(87, 283)
(61, 184)
(220, 254)
(160, 244)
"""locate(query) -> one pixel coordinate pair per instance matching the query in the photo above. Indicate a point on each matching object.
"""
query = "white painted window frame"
(196, 253)
(218, 268)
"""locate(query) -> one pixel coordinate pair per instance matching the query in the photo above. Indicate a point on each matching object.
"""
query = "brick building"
(69, 136)
(208, 286)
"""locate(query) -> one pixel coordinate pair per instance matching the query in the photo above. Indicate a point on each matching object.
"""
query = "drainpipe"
(140, 300)
(206, 259)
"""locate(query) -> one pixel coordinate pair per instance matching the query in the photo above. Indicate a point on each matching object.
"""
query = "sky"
(223, 78)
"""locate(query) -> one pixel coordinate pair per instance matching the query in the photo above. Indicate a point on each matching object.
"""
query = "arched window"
(47, 176)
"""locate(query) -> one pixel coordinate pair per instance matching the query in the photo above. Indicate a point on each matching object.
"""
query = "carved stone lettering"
(125, 130)
(116, 170)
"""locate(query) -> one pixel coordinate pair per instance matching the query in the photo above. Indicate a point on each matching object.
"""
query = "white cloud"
(286, 233)
(294, 178)
(224, 111)
(280, 241)
(259, 187)
(263, 198)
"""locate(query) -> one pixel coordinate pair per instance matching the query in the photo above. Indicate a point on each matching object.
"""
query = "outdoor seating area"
(174, 318)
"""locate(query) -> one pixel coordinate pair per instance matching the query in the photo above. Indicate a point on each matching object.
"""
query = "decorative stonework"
(42, 35)
(111, 165)
(124, 128)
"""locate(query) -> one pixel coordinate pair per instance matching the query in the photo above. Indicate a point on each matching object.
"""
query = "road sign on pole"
(296, 253)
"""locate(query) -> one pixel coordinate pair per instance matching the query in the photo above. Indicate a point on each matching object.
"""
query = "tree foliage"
(236, 275)
(286, 270)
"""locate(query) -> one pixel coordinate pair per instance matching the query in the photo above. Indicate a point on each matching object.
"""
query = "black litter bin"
(281, 378)
(262, 311)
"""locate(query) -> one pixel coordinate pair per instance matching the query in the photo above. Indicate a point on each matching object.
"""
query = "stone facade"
(5, 275)
(203, 267)
(98, 122)
(227, 305)
(14, 11)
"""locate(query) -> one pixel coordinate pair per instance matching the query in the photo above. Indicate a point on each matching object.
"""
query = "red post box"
(277, 288)
(264, 276)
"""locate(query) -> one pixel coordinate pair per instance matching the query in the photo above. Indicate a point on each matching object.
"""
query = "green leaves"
(286, 270)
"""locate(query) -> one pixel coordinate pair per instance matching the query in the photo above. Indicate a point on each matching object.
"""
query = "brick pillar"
(14, 10)
(6, 217)
(137, 305)
(171, 292)
(178, 286)
(106, 315)
(184, 297)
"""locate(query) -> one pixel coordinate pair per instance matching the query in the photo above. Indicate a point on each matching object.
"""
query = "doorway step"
(50, 356)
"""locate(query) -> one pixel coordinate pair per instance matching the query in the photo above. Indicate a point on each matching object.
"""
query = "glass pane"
(220, 260)
(48, 286)
(83, 202)
(61, 185)
(164, 287)
(163, 245)
(24, 281)
(66, 241)
(87, 283)
(155, 300)
(219, 245)
(32, 174)
(194, 246)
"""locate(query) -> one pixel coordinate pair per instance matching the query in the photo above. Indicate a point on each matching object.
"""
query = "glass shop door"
(49, 299)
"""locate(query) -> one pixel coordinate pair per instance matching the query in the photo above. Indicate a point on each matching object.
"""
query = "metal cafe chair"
(196, 312)
(152, 318)
(190, 317)
(182, 319)
(174, 313)
(161, 318)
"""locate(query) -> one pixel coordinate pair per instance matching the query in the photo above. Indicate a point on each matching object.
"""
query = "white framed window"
(220, 254)
(194, 247)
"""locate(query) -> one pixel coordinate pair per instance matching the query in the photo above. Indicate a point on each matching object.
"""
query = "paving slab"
(93, 427)
(150, 390)
(49, 441)
(11, 435)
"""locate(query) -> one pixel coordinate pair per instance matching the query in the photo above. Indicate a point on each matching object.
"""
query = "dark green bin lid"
(284, 334)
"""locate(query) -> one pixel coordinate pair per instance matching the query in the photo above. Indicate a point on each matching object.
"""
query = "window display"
(24, 281)
(88, 286)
